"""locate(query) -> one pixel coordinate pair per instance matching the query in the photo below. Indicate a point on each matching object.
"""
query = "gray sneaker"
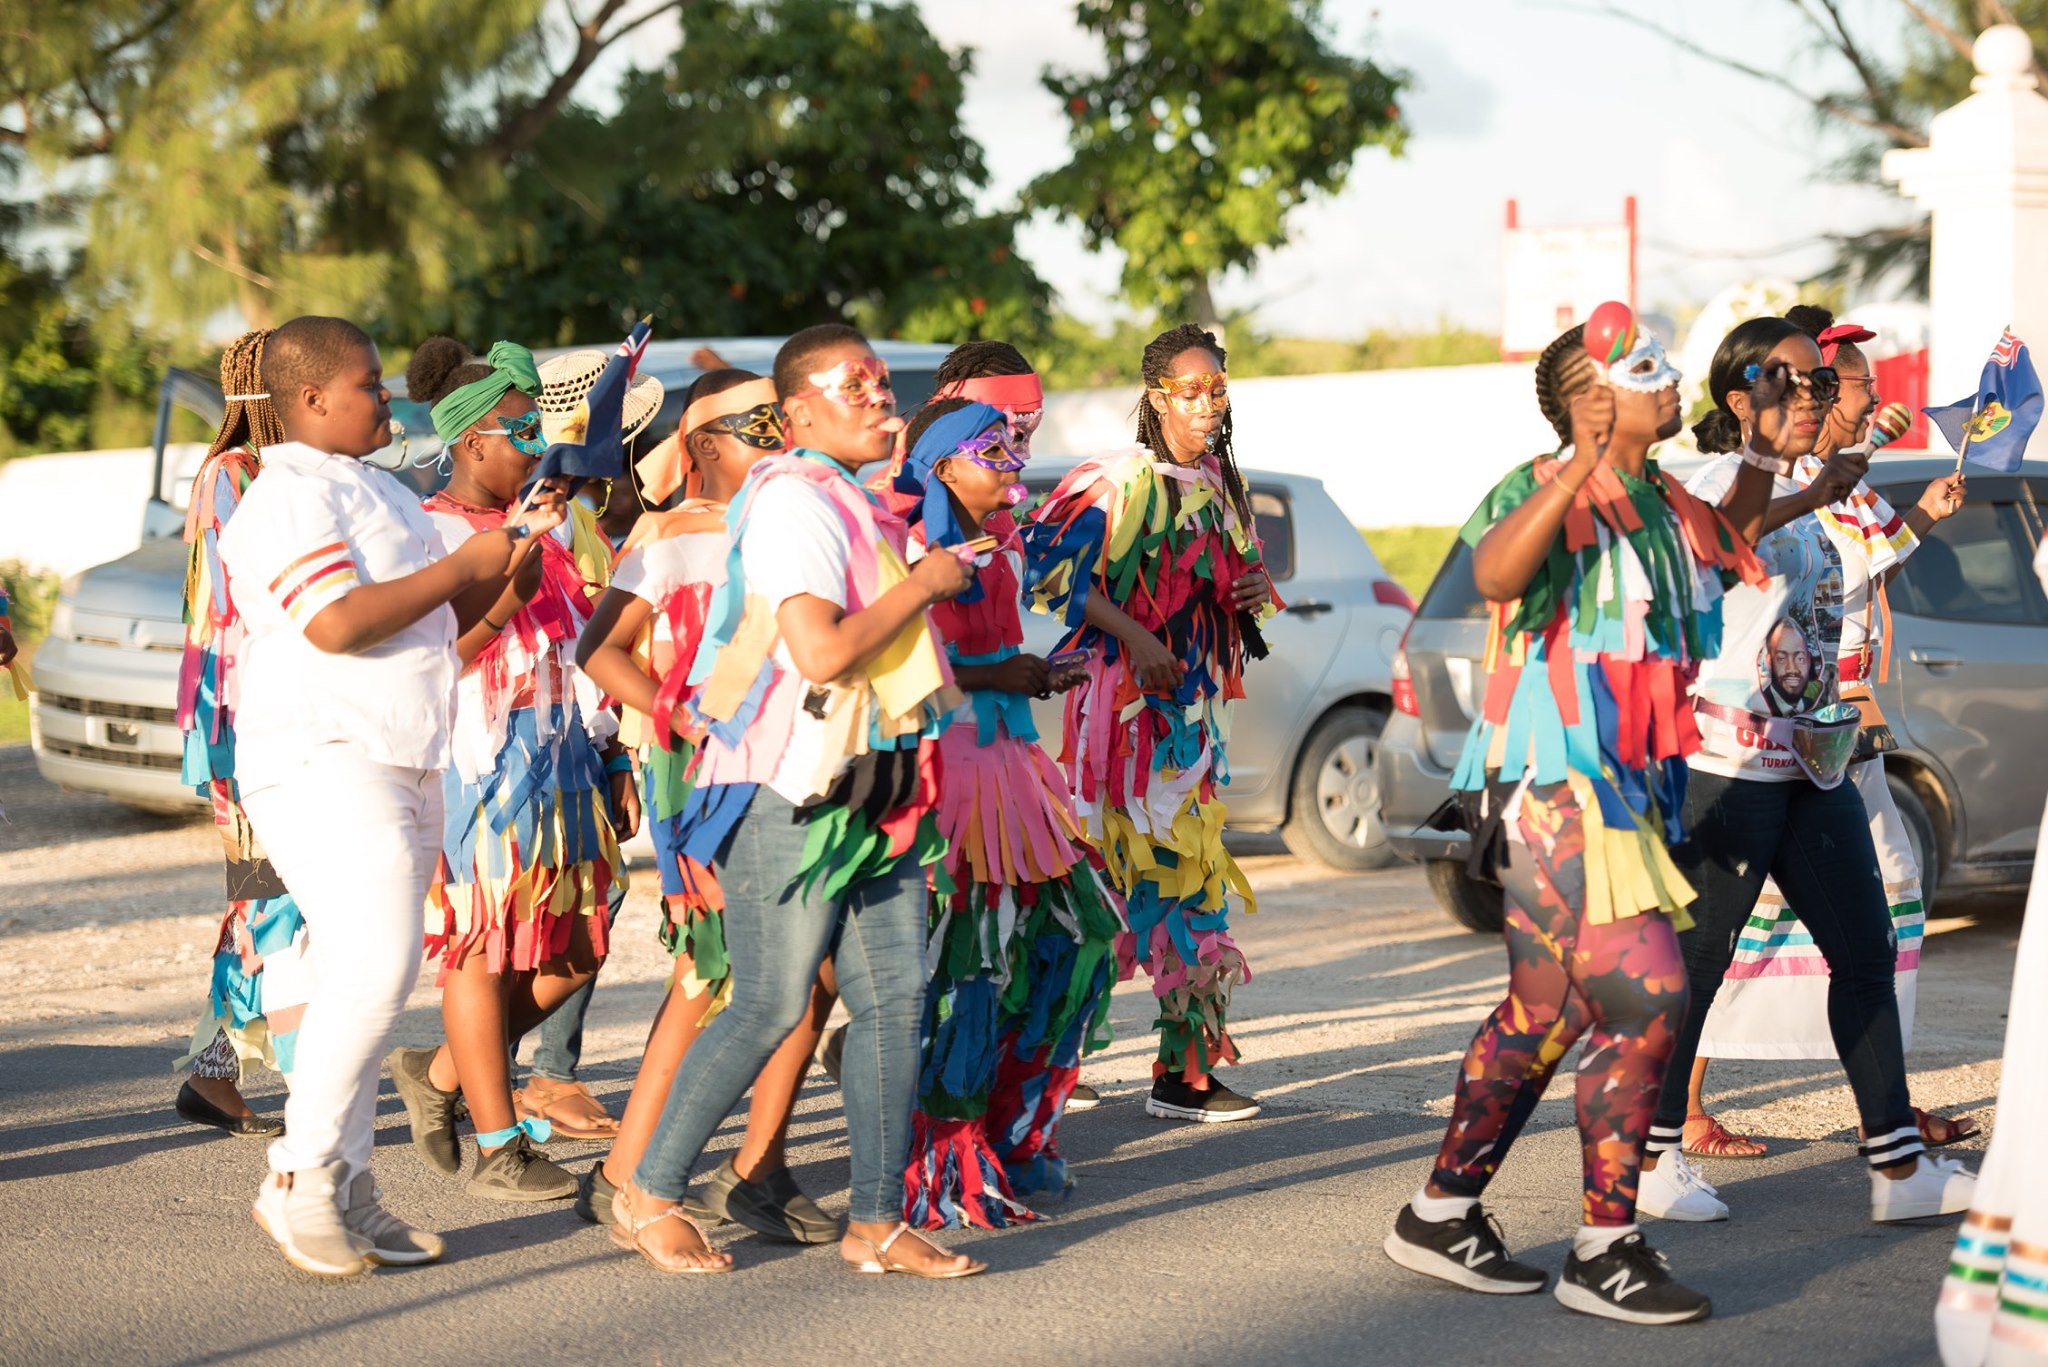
(594, 1196)
(429, 1111)
(393, 1242)
(775, 1207)
(519, 1172)
(709, 1204)
(301, 1212)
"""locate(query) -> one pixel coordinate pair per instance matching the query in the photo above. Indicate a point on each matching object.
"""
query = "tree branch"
(524, 127)
(239, 271)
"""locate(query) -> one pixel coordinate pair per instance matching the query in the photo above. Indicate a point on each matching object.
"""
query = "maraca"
(1610, 332)
(1890, 424)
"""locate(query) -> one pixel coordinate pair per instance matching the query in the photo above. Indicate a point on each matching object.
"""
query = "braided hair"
(979, 361)
(1562, 371)
(245, 421)
(1157, 361)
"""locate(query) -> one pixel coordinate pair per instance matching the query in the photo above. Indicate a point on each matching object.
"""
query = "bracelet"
(495, 626)
(1759, 460)
(621, 763)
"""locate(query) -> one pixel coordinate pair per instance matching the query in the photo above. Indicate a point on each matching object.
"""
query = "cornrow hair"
(1157, 361)
(248, 417)
(793, 360)
(1562, 371)
(980, 361)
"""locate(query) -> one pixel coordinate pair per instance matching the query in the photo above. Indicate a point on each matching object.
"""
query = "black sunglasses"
(1824, 381)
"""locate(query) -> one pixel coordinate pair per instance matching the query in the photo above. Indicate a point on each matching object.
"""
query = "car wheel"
(1471, 903)
(1919, 834)
(1334, 814)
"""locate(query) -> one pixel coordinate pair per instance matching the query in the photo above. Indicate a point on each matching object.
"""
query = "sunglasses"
(859, 383)
(1206, 392)
(763, 427)
(1823, 382)
(997, 439)
(523, 432)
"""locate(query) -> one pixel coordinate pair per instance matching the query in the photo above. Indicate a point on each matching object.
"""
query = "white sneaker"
(392, 1242)
(1675, 1190)
(302, 1212)
(1939, 1186)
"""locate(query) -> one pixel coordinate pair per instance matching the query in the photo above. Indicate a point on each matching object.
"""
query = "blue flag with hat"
(1991, 427)
(602, 452)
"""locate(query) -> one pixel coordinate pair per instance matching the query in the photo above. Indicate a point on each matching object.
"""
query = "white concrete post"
(1984, 178)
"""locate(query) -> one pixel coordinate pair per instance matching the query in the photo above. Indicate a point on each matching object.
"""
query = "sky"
(1567, 110)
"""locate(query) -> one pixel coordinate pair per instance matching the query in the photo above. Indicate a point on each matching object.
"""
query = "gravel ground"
(1255, 1241)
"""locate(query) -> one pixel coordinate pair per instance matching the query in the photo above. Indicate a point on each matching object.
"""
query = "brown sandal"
(1717, 1142)
(882, 1263)
(1955, 1128)
(572, 1108)
(627, 1229)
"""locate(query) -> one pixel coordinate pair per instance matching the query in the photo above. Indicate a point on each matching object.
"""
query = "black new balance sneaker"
(1629, 1282)
(1466, 1251)
(1173, 1099)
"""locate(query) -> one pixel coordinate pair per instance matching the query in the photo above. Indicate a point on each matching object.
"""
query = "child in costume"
(639, 646)
(1023, 947)
(517, 908)
(1152, 554)
(821, 692)
(1605, 580)
(346, 698)
(259, 981)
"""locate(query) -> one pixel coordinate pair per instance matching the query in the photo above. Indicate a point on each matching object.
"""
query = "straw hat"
(566, 380)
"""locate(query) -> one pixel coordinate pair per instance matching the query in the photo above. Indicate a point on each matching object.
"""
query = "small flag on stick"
(1992, 426)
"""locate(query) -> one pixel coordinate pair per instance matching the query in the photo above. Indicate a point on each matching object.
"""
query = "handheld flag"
(1992, 426)
(601, 454)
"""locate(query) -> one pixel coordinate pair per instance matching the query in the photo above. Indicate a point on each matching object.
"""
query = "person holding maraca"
(1604, 578)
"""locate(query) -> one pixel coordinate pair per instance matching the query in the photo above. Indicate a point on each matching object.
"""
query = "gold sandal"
(627, 1229)
(570, 1107)
(881, 1263)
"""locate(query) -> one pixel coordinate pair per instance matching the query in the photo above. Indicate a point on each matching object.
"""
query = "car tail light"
(1404, 686)
(1389, 594)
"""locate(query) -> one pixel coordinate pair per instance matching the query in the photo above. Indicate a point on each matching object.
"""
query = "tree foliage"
(1212, 121)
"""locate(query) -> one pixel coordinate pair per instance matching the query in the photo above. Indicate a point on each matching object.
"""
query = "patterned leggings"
(1622, 985)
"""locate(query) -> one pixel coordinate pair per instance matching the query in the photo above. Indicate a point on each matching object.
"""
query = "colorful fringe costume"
(1574, 775)
(1023, 950)
(15, 678)
(1163, 541)
(260, 973)
(693, 536)
(529, 843)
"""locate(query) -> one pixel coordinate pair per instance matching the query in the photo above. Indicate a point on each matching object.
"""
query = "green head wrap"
(511, 368)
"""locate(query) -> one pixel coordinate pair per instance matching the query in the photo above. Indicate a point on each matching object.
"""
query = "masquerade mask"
(1824, 382)
(1644, 369)
(859, 383)
(994, 450)
(1208, 392)
(523, 432)
(762, 427)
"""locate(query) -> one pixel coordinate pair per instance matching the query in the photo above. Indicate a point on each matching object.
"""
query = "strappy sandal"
(1719, 1143)
(1957, 1128)
(627, 1229)
(572, 1108)
(882, 1263)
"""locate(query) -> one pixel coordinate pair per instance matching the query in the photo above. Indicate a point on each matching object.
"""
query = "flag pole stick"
(1968, 428)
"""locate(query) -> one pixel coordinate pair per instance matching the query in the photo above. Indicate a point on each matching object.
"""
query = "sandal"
(882, 1263)
(1951, 1129)
(573, 1110)
(627, 1229)
(1717, 1142)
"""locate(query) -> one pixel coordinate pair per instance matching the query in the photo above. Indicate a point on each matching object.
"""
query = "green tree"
(1210, 124)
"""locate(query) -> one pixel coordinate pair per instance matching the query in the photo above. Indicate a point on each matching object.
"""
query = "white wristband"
(1759, 460)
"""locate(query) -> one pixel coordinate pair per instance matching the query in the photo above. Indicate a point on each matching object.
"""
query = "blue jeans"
(776, 936)
(1816, 844)
(559, 1047)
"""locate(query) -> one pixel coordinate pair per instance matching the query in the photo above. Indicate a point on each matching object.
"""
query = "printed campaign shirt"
(1780, 644)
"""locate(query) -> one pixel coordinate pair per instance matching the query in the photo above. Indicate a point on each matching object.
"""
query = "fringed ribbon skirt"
(692, 904)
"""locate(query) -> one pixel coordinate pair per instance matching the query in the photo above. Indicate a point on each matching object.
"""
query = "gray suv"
(1964, 698)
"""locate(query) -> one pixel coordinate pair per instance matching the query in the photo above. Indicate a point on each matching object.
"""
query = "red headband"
(1011, 393)
(1831, 339)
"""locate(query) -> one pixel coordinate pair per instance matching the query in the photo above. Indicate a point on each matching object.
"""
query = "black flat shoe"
(200, 1111)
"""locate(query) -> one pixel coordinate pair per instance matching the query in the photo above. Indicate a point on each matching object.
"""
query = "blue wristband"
(621, 763)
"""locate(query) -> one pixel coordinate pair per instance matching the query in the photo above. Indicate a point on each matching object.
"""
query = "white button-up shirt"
(311, 528)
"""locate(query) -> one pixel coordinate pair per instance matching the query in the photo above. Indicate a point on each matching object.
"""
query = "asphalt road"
(129, 1238)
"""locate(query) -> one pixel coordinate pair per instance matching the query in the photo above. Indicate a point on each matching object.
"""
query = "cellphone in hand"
(1067, 659)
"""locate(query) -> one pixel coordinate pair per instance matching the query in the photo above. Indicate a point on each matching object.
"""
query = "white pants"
(356, 842)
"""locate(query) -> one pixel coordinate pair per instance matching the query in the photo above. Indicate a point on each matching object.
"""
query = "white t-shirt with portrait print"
(1779, 644)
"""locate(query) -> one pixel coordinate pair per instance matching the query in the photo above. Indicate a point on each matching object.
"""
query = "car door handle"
(1934, 659)
(1309, 607)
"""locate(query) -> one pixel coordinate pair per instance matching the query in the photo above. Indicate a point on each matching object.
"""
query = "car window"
(1974, 567)
(1276, 532)
(1452, 594)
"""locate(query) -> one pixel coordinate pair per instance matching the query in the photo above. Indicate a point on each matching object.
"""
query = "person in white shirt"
(347, 693)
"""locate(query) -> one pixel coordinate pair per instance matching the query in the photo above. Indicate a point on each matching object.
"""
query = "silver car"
(1305, 739)
(1964, 697)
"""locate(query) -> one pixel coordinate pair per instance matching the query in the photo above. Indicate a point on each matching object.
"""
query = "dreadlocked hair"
(1157, 362)
(980, 361)
(922, 420)
(245, 421)
(1562, 371)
